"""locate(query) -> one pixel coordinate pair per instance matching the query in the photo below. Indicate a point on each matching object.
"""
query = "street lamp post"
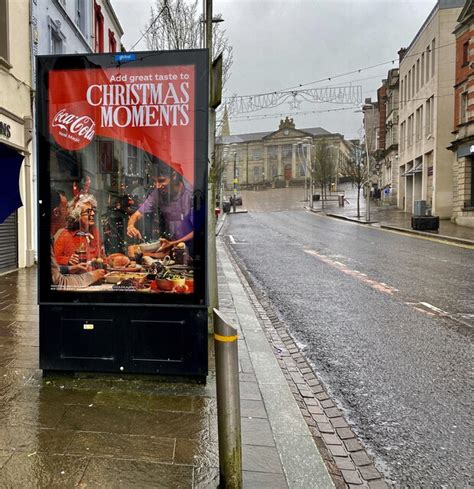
(235, 181)
(367, 200)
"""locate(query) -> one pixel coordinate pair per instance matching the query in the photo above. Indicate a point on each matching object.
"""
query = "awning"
(10, 165)
(416, 169)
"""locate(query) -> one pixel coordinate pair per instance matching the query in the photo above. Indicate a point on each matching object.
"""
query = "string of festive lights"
(283, 114)
(359, 70)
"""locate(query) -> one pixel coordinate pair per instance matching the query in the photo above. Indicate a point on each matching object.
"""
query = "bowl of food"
(164, 284)
(150, 247)
(178, 281)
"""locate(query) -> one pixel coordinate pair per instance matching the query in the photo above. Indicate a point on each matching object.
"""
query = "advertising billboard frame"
(124, 331)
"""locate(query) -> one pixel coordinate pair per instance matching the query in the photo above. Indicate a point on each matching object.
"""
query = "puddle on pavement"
(94, 430)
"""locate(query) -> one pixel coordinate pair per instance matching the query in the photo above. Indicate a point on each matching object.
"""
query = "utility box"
(420, 208)
(122, 188)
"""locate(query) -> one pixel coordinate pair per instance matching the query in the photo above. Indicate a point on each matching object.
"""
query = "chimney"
(401, 54)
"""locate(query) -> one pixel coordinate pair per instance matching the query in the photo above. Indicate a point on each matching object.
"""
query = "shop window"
(472, 182)
(132, 160)
(463, 111)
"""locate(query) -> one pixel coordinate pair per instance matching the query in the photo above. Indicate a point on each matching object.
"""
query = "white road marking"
(231, 238)
(362, 277)
(434, 308)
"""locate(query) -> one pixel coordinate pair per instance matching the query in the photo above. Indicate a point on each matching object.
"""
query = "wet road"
(385, 319)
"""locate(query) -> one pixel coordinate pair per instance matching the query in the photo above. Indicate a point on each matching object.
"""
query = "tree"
(323, 166)
(355, 168)
(177, 24)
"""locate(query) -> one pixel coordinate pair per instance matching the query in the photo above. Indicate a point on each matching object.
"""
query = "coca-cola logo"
(72, 131)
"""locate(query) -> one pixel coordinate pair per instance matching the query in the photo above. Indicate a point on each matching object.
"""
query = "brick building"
(463, 145)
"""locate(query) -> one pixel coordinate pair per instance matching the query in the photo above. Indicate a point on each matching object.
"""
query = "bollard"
(228, 403)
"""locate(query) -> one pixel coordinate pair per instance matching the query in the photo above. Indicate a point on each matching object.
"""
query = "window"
(56, 37)
(422, 70)
(256, 153)
(433, 44)
(403, 130)
(287, 153)
(419, 123)
(81, 15)
(402, 85)
(413, 82)
(428, 117)
(132, 161)
(463, 111)
(257, 174)
(417, 75)
(98, 29)
(274, 170)
(405, 92)
(472, 182)
(465, 53)
(427, 63)
(4, 51)
(112, 42)
(302, 172)
(272, 152)
(410, 131)
(409, 86)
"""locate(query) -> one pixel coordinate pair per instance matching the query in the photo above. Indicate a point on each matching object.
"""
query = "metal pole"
(308, 164)
(211, 189)
(235, 181)
(228, 403)
(367, 200)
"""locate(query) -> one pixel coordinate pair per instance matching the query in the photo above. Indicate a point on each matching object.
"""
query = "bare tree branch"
(180, 26)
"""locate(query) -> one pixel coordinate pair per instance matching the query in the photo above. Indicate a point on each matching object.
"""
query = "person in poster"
(67, 277)
(172, 196)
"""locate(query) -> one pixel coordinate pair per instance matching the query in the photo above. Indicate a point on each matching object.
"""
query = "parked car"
(226, 204)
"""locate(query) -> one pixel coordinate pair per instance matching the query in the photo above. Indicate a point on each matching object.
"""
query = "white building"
(426, 112)
(16, 233)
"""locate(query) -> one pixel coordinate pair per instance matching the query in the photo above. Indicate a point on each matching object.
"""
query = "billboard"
(122, 165)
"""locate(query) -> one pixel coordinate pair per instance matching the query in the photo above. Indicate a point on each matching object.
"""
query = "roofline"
(428, 19)
(421, 29)
(113, 15)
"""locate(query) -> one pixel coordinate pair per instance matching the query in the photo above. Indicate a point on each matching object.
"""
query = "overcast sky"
(283, 44)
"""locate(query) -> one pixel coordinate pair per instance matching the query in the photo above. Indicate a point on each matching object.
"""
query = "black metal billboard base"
(124, 339)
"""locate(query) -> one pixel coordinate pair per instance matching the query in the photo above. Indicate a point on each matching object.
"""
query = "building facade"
(389, 162)
(28, 29)
(16, 232)
(278, 158)
(463, 144)
(426, 113)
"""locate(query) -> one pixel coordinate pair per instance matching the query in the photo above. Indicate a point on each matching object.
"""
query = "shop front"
(122, 152)
(15, 132)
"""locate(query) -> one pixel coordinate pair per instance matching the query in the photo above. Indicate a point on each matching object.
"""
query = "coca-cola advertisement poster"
(122, 165)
